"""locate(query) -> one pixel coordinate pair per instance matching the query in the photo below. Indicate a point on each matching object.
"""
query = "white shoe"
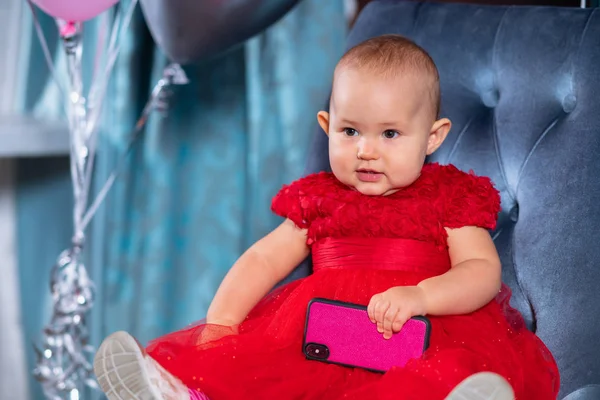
(125, 372)
(483, 386)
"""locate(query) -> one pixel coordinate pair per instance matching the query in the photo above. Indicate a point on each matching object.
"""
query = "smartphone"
(342, 333)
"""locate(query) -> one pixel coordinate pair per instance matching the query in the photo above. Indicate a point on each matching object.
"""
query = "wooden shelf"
(25, 136)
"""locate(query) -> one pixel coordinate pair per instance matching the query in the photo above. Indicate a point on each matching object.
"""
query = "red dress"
(362, 246)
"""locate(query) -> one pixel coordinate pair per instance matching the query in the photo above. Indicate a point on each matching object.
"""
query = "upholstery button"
(569, 102)
(490, 98)
(514, 213)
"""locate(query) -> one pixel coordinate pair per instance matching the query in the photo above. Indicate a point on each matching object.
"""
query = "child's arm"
(255, 273)
(474, 279)
(472, 282)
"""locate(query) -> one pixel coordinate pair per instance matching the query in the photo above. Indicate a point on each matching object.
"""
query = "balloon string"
(50, 63)
(114, 48)
(77, 115)
(45, 49)
(97, 84)
(113, 51)
(173, 75)
(102, 32)
(90, 134)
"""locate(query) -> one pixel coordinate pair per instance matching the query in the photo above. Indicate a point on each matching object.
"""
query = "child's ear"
(438, 134)
(323, 118)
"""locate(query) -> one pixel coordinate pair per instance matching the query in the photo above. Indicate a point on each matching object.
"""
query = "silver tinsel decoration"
(62, 362)
(63, 367)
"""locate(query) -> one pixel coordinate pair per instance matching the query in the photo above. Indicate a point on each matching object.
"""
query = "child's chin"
(372, 190)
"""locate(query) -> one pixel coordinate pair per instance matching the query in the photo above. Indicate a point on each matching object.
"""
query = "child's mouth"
(368, 175)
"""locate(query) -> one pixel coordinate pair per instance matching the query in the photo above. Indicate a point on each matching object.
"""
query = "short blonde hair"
(395, 55)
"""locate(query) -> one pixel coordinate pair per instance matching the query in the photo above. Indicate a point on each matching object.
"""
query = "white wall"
(13, 371)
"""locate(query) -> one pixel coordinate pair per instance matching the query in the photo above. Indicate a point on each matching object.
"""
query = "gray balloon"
(192, 30)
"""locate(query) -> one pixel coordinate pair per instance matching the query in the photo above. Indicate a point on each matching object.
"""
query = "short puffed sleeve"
(299, 200)
(469, 200)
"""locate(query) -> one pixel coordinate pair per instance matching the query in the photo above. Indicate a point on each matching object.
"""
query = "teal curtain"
(196, 190)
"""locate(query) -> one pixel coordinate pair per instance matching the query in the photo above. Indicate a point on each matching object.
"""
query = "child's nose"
(366, 150)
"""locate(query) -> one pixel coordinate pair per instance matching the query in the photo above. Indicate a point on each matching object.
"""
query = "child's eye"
(350, 132)
(390, 134)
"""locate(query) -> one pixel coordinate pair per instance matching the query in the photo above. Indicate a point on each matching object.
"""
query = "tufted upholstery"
(522, 87)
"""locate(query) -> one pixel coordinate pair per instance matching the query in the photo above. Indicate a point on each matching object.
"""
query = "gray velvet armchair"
(522, 87)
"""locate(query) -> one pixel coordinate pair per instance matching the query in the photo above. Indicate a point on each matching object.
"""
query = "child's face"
(380, 130)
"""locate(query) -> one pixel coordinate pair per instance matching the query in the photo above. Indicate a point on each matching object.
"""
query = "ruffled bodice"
(442, 197)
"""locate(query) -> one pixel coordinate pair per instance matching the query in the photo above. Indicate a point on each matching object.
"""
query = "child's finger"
(399, 322)
(388, 321)
(381, 308)
(371, 308)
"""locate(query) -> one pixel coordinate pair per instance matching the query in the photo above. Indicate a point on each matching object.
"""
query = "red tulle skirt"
(262, 357)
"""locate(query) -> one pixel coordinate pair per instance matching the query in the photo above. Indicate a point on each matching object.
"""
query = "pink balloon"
(74, 10)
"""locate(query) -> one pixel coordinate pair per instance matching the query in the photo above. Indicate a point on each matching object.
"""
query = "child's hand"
(215, 330)
(392, 308)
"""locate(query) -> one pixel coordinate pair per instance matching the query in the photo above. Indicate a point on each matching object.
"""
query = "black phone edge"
(358, 307)
(337, 363)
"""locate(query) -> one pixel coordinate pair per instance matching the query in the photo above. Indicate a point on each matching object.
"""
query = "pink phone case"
(342, 333)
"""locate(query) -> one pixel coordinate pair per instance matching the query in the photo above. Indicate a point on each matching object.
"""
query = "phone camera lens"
(317, 351)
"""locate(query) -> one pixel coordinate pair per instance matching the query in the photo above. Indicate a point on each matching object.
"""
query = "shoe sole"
(119, 368)
(483, 386)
